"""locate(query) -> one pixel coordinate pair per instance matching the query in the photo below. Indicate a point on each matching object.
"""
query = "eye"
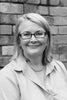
(26, 34)
(40, 34)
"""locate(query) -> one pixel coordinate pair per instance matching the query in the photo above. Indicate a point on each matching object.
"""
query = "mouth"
(34, 46)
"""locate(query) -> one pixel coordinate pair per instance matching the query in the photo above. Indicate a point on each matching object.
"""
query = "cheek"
(23, 44)
(44, 41)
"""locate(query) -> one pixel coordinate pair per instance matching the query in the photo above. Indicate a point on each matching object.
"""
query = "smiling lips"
(34, 46)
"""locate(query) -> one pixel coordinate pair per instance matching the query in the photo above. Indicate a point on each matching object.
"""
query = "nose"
(33, 39)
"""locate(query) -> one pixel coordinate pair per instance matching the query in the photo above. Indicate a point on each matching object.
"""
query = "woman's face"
(32, 45)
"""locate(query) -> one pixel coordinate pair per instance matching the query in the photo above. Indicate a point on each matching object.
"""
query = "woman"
(33, 74)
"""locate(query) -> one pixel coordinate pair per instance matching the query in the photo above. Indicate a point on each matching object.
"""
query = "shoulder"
(8, 83)
(7, 69)
(11, 67)
(59, 66)
(7, 74)
(11, 72)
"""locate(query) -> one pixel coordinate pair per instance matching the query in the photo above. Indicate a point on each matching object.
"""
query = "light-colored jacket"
(19, 82)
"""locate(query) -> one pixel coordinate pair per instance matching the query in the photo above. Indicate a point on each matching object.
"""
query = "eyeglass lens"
(37, 34)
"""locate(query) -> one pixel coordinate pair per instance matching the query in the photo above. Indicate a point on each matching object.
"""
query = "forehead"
(29, 26)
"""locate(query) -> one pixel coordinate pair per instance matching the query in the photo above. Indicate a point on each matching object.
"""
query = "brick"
(0, 50)
(59, 39)
(21, 1)
(54, 29)
(7, 0)
(11, 8)
(63, 57)
(54, 2)
(32, 1)
(3, 0)
(8, 19)
(55, 49)
(6, 40)
(43, 1)
(4, 61)
(30, 8)
(60, 51)
(62, 29)
(64, 2)
(63, 49)
(43, 10)
(61, 11)
(50, 19)
(14, 0)
(7, 50)
(5, 29)
(55, 56)
(13, 29)
(52, 43)
(60, 20)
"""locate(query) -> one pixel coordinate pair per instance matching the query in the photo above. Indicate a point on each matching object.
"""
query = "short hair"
(40, 20)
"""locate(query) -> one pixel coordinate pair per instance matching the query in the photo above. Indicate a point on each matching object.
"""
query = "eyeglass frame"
(44, 33)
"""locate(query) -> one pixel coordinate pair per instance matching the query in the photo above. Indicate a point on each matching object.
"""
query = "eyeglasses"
(37, 34)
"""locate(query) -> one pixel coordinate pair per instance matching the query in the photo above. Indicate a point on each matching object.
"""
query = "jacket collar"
(50, 67)
(21, 65)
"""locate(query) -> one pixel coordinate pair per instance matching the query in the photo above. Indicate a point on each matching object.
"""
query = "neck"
(36, 64)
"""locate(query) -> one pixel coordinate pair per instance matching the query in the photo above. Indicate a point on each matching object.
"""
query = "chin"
(32, 56)
(33, 53)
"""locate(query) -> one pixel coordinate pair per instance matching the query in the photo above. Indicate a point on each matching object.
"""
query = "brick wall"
(55, 11)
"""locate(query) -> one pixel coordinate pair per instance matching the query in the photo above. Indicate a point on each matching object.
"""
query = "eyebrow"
(34, 32)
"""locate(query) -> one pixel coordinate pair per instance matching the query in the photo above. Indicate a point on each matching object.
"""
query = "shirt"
(19, 82)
